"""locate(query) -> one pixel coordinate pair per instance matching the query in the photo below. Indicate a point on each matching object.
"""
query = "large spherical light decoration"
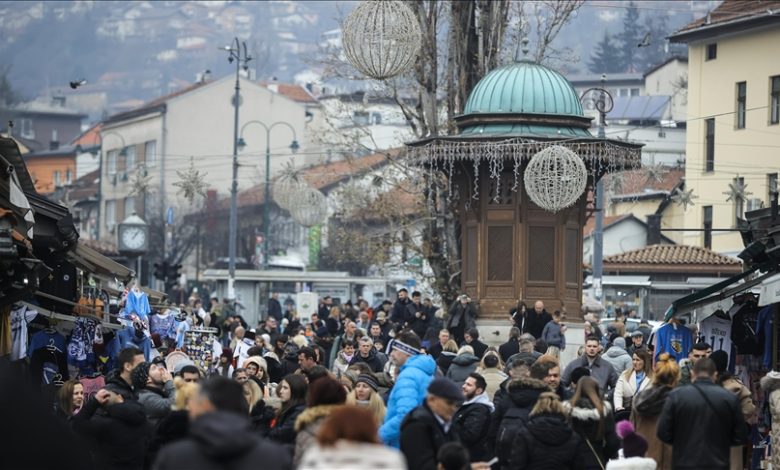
(309, 207)
(555, 178)
(285, 189)
(381, 38)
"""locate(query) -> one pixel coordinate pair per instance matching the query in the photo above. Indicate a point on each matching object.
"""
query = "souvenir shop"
(66, 310)
(739, 316)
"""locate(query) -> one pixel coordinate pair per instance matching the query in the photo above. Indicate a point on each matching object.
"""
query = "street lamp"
(267, 198)
(238, 54)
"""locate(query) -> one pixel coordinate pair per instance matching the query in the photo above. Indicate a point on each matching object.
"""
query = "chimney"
(654, 229)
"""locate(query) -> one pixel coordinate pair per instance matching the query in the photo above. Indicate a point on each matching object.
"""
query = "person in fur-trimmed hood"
(634, 449)
(591, 418)
(770, 385)
(324, 395)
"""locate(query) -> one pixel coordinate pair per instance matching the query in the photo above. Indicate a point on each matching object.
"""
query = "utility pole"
(238, 54)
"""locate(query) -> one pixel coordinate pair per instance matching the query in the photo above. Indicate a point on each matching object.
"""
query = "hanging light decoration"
(381, 38)
(287, 187)
(555, 178)
(308, 207)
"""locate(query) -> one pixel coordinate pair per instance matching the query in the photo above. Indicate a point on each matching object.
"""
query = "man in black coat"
(462, 316)
(473, 418)
(398, 313)
(121, 380)
(116, 428)
(274, 307)
(537, 319)
(515, 407)
(436, 349)
(366, 353)
(415, 317)
(702, 421)
(220, 435)
(548, 370)
(471, 338)
(511, 347)
(429, 426)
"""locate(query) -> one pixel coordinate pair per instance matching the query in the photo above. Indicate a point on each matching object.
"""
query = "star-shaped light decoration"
(683, 198)
(191, 183)
(655, 173)
(737, 190)
(141, 183)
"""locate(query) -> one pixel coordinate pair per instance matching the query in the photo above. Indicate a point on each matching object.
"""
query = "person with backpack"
(512, 413)
(591, 417)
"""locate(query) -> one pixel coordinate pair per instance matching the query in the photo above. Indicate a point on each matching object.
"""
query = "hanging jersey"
(676, 340)
(716, 332)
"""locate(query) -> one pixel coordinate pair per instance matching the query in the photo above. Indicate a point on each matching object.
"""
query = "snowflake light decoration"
(191, 183)
(737, 190)
(655, 173)
(683, 198)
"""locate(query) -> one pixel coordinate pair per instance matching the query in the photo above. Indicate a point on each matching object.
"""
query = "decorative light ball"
(285, 189)
(555, 178)
(309, 207)
(381, 38)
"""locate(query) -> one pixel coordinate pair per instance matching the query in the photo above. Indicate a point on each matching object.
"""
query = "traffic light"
(160, 270)
(173, 274)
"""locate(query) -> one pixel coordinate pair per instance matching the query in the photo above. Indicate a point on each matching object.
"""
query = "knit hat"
(620, 342)
(445, 388)
(634, 445)
(228, 353)
(368, 380)
(256, 360)
(140, 375)
(636, 334)
(721, 360)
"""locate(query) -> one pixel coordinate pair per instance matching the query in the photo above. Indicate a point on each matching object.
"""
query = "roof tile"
(672, 255)
(732, 10)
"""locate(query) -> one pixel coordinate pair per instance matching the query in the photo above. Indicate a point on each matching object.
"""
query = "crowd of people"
(410, 385)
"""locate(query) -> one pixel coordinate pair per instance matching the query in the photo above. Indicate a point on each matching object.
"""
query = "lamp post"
(267, 196)
(238, 54)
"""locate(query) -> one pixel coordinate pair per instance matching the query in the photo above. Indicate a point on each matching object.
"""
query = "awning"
(714, 293)
(90, 260)
(155, 297)
(770, 291)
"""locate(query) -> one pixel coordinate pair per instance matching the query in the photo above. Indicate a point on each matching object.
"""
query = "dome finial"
(522, 45)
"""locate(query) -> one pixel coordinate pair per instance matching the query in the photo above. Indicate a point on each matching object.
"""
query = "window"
(712, 51)
(129, 206)
(707, 225)
(27, 128)
(774, 100)
(150, 153)
(112, 157)
(739, 202)
(635, 92)
(709, 145)
(54, 136)
(110, 215)
(771, 187)
(376, 118)
(741, 100)
(57, 177)
(130, 158)
(68, 176)
(360, 118)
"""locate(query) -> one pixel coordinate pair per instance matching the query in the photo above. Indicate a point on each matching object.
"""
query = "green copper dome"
(524, 99)
(524, 87)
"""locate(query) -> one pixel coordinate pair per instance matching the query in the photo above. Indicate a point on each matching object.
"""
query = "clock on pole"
(133, 240)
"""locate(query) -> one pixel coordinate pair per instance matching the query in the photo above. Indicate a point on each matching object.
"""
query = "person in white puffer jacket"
(634, 448)
(617, 356)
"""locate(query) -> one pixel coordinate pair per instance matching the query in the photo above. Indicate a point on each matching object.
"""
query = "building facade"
(733, 119)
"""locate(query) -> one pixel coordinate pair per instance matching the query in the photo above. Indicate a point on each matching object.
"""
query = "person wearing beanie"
(365, 394)
(155, 389)
(733, 385)
(618, 356)
(634, 449)
(429, 426)
(225, 367)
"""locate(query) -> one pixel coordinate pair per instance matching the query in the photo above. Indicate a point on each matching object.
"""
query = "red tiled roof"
(319, 176)
(673, 255)
(89, 138)
(731, 10)
(636, 181)
(291, 91)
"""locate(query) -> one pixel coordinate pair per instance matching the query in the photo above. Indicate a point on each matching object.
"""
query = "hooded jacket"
(473, 420)
(494, 378)
(444, 361)
(157, 403)
(522, 394)
(408, 392)
(584, 418)
(462, 365)
(307, 426)
(547, 442)
(619, 359)
(221, 440)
